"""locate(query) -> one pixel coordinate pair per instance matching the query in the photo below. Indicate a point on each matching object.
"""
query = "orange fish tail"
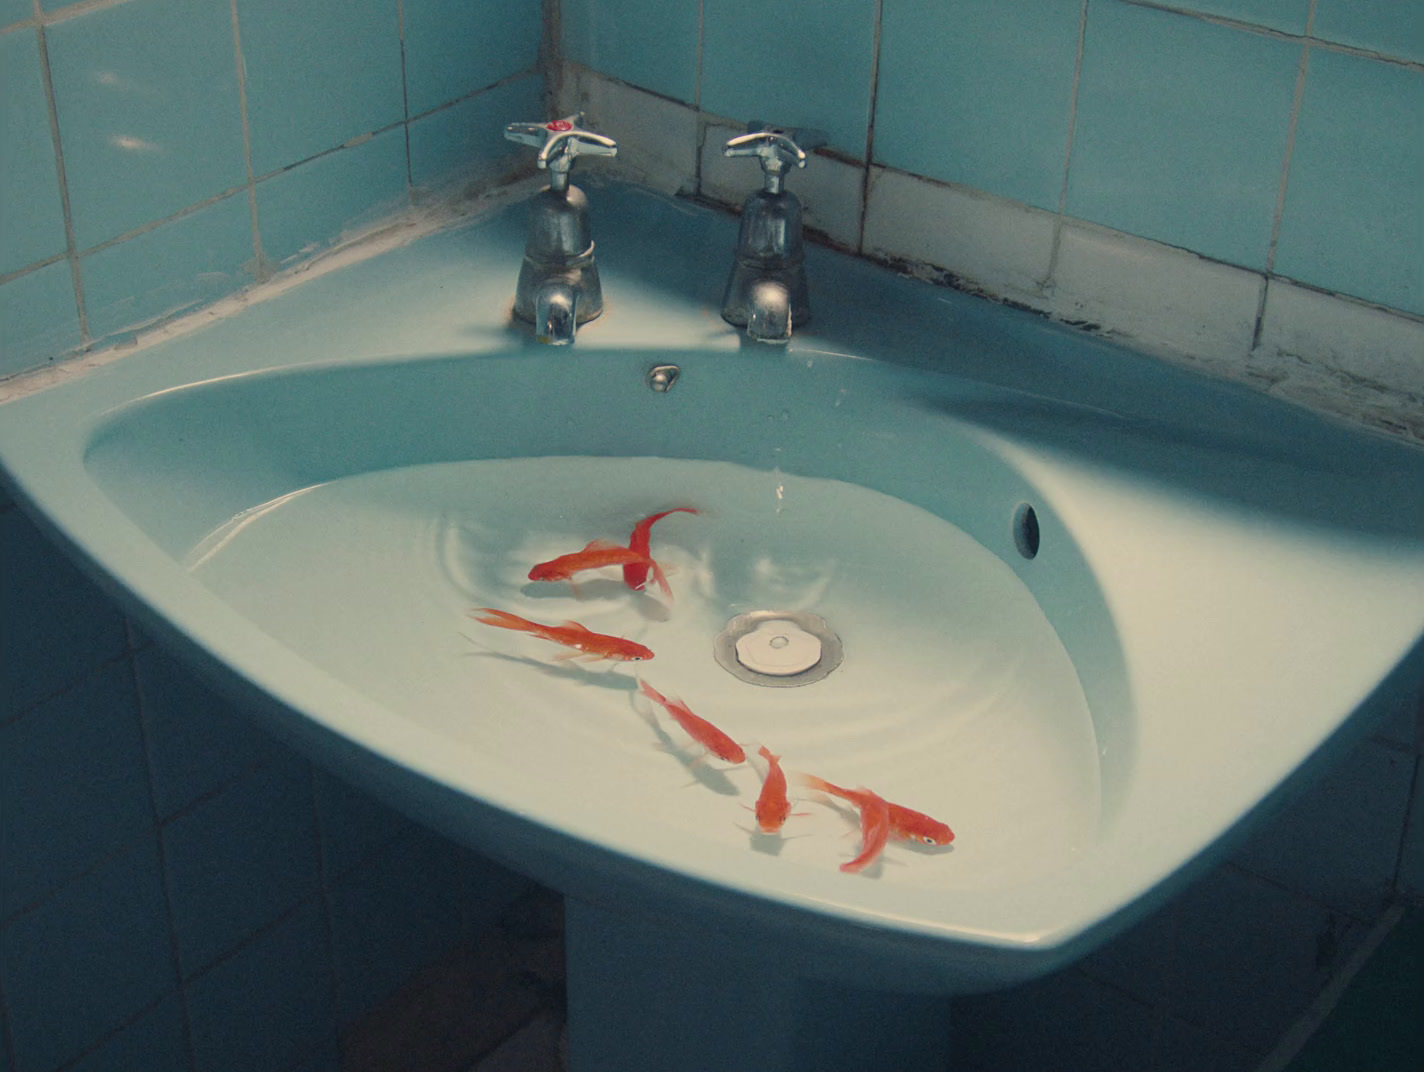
(810, 781)
(503, 619)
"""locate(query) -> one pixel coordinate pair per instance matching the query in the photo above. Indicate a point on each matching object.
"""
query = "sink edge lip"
(173, 607)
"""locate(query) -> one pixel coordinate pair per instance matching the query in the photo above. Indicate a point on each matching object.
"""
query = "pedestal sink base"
(647, 994)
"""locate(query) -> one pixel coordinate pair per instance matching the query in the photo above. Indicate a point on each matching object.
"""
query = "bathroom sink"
(1096, 614)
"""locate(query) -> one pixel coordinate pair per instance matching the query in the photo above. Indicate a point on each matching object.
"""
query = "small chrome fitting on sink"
(662, 377)
(766, 291)
(558, 286)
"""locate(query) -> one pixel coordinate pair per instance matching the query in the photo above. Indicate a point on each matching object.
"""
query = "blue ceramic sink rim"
(1262, 569)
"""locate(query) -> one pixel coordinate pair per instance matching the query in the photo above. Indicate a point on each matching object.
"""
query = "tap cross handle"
(559, 141)
(777, 148)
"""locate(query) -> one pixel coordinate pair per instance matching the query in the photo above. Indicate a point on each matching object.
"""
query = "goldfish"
(587, 643)
(773, 805)
(596, 555)
(875, 827)
(906, 824)
(697, 727)
(635, 574)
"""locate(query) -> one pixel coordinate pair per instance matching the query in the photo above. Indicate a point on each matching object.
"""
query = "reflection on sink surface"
(1215, 592)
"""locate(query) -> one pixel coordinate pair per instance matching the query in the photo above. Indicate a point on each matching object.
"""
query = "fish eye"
(928, 839)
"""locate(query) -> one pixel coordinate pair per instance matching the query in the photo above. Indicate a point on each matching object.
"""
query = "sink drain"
(778, 648)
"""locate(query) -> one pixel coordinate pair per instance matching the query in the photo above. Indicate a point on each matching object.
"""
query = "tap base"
(581, 276)
(738, 304)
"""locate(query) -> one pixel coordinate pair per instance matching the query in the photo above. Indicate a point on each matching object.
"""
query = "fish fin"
(810, 781)
(570, 656)
(577, 626)
(652, 693)
(502, 618)
(661, 578)
(603, 545)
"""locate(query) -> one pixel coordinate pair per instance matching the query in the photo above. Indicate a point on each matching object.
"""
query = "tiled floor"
(1378, 1023)
(534, 1048)
(1375, 1025)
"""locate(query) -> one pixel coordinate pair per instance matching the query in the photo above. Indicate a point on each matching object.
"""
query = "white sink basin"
(308, 499)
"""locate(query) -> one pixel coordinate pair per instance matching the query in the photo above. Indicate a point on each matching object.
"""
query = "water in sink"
(955, 695)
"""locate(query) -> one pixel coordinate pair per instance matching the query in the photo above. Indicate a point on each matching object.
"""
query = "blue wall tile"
(12, 11)
(466, 140)
(1392, 27)
(305, 208)
(58, 627)
(318, 74)
(269, 1004)
(196, 742)
(1247, 957)
(383, 927)
(1181, 130)
(1062, 1022)
(155, 1042)
(152, 126)
(353, 825)
(1339, 843)
(455, 47)
(31, 213)
(241, 859)
(170, 269)
(39, 317)
(654, 44)
(808, 64)
(73, 786)
(1354, 211)
(87, 960)
(1289, 16)
(980, 93)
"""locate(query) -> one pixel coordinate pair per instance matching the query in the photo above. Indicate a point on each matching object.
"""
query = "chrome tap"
(558, 286)
(766, 291)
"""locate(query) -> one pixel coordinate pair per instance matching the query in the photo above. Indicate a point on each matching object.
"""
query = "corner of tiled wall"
(1230, 184)
(159, 156)
(178, 890)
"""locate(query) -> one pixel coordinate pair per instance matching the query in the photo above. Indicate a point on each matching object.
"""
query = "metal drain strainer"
(778, 648)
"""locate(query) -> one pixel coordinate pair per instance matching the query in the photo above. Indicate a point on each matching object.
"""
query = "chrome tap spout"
(556, 313)
(558, 286)
(766, 291)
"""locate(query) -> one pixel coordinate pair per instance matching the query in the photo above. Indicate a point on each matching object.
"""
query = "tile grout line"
(1401, 855)
(1055, 244)
(1290, 1044)
(865, 173)
(323, 882)
(223, 195)
(1297, 99)
(71, 242)
(700, 124)
(405, 101)
(174, 953)
(1262, 30)
(260, 271)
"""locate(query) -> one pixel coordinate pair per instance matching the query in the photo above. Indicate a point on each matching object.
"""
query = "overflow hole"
(1026, 530)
